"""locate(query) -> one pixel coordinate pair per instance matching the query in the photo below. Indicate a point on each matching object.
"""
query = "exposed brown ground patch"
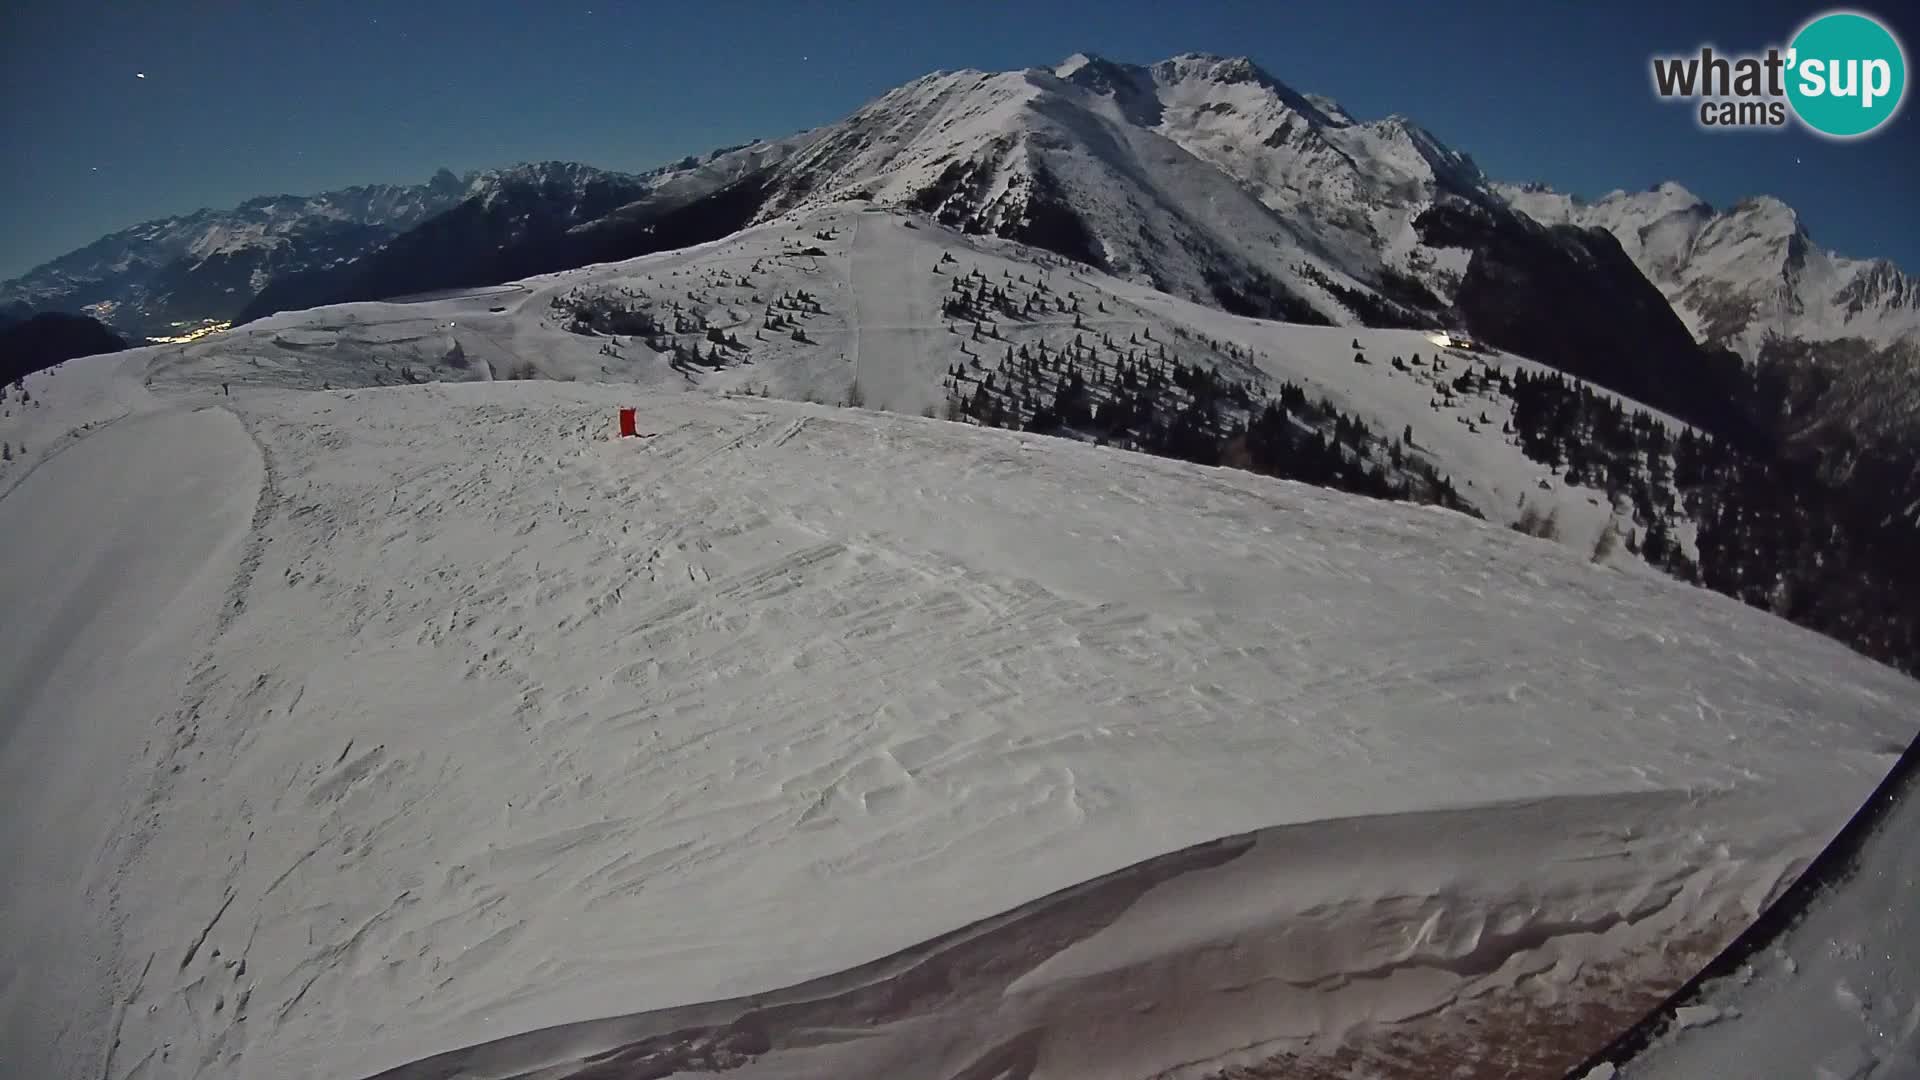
(1504, 1036)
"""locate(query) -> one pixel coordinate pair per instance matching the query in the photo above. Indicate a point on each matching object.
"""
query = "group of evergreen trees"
(1768, 530)
(1125, 396)
(18, 386)
(684, 327)
(602, 313)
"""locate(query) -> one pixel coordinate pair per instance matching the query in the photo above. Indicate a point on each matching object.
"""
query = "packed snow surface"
(117, 559)
(1837, 996)
(347, 728)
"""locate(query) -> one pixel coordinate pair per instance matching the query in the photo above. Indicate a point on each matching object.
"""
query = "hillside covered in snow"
(1201, 176)
(1123, 570)
(374, 707)
(895, 310)
(847, 303)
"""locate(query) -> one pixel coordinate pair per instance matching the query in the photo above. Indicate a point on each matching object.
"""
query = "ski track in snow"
(116, 553)
(892, 323)
(489, 722)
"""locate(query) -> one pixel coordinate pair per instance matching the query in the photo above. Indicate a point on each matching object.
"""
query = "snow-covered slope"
(1744, 273)
(878, 281)
(1029, 155)
(470, 719)
(1201, 175)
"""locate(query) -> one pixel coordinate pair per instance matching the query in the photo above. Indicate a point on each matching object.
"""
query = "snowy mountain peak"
(1335, 113)
(1761, 204)
(1767, 210)
(1674, 192)
(1130, 86)
(445, 182)
(1545, 203)
(532, 172)
(1742, 275)
(1879, 283)
(1199, 174)
(1237, 82)
(1066, 69)
(1443, 161)
(1220, 69)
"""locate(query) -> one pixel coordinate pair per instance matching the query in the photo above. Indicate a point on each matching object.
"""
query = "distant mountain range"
(1740, 275)
(535, 219)
(1202, 175)
(1834, 341)
(161, 276)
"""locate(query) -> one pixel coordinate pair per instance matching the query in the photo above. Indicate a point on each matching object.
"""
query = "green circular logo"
(1846, 74)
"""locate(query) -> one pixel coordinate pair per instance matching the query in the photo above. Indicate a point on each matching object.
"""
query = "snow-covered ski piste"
(437, 731)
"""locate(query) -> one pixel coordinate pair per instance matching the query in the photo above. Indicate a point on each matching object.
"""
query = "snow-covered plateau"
(435, 730)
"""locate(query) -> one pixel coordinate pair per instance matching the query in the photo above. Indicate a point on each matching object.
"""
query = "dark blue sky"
(268, 96)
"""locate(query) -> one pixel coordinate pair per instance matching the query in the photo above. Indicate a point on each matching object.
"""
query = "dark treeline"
(1769, 530)
(1138, 396)
(40, 341)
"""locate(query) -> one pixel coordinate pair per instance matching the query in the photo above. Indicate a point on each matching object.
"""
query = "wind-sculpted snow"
(510, 724)
(1826, 984)
(1274, 953)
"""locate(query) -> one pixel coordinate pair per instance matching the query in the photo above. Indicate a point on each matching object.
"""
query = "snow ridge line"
(120, 1019)
(873, 990)
(61, 445)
